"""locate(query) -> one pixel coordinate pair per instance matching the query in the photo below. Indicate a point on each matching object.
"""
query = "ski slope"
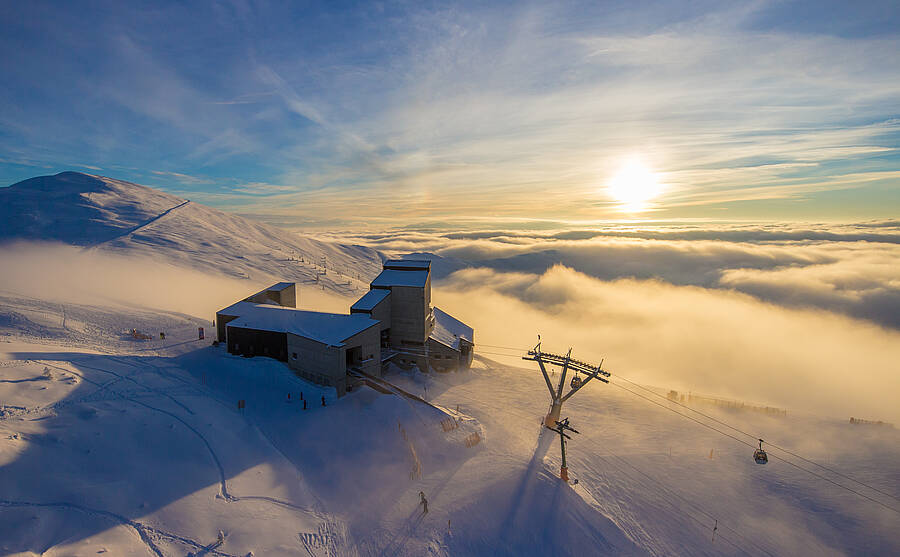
(128, 447)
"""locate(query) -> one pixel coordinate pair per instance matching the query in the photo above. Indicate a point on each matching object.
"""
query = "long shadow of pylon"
(403, 534)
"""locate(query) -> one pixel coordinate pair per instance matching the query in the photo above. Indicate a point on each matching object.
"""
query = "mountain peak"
(69, 180)
(105, 213)
(77, 208)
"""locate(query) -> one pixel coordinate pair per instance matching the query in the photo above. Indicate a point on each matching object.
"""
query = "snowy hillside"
(99, 213)
(123, 447)
(111, 445)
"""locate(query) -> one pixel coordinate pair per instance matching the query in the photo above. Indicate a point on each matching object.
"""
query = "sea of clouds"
(802, 317)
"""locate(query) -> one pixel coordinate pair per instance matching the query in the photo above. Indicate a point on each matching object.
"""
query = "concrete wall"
(327, 365)
(429, 316)
(382, 312)
(221, 321)
(442, 357)
(286, 297)
(315, 361)
(467, 354)
(252, 342)
(369, 342)
(409, 313)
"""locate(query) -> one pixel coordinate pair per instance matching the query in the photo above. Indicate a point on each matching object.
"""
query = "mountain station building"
(393, 322)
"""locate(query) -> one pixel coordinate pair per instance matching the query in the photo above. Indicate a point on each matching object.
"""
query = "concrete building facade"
(394, 321)
(283, 294)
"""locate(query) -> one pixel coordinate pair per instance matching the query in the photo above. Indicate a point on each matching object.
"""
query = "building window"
(293, 355)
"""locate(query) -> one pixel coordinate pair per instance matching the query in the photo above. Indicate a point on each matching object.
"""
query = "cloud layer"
(845, 269)
(687, 338)
(67, 274)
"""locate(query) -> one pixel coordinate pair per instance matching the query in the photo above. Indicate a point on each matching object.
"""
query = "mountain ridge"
(102, 213)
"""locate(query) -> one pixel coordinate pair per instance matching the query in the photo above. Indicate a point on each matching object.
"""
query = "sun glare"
(634, 186)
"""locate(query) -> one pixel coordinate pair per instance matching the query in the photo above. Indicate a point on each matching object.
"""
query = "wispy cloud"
(183, 178)
(525, 111)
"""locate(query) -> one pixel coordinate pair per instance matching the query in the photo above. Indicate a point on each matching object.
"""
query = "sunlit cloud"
(687, 337)
(845, 269)
(480, 113)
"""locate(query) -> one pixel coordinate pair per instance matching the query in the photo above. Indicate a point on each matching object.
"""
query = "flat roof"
(414, 264)
(328, 328)
(371, 299)
(448, 330)
(280, 286)
(242, 307)
(393, 277)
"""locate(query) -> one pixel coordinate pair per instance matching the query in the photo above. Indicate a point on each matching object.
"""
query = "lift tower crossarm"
(559, 360)
(597, 373)
(566, 363)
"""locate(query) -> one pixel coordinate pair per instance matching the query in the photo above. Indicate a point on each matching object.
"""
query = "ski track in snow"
(105, 391)
(223, 483)
(146, 532)
(638, 506)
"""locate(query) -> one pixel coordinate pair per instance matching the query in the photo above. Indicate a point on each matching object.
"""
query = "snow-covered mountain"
(101, 213)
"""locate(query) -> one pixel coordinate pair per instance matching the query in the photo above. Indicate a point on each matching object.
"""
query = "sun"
(634, 186)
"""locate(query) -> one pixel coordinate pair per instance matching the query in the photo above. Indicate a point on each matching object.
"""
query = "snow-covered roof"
(371, 299)
(412, 264)
(280, 286)
(238, 308)
(392, 277)
(448, 330)
(328, 328)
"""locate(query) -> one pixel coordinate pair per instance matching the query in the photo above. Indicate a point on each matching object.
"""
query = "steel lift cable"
(695, 505)
(704, 424)
(678, 511)
(754, 437)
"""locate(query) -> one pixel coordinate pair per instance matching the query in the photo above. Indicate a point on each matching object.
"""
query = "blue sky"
(312, 113)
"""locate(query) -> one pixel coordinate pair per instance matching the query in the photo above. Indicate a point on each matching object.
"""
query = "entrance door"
(354, 356)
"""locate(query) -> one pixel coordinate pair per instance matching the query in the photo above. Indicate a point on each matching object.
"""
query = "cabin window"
(293, 355)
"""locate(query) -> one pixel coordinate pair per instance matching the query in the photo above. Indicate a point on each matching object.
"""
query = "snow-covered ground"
(114, 445)
(138, 447)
